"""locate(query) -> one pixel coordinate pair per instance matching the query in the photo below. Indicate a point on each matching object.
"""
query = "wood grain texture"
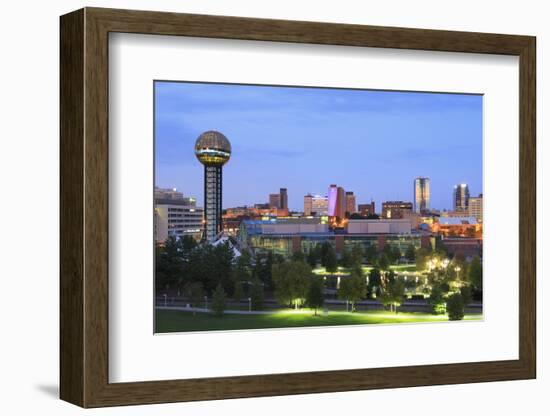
(84, 207)
(71, 100)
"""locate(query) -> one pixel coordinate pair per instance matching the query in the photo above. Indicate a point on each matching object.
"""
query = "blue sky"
(373, 143)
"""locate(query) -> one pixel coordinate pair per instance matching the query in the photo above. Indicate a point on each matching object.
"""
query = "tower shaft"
(212, 202)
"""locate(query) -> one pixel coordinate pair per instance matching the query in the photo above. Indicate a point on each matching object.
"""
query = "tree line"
(197, 271)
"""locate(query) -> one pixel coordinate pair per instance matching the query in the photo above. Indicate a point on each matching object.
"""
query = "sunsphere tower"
(213, 150)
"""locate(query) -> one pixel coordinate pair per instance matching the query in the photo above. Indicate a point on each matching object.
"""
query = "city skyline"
(292, 138)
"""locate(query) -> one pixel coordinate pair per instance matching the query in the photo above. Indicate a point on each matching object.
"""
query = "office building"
(167, 193)
(275, 200)
(367, 209)
(319, 205)
(336, 201)
(283, 195)
(332, 200)
(395, 209)
(308, 201)
(461, 197)
(213, 150)
(350, 203)
(475, 207)
(421, 195)
(177, 218)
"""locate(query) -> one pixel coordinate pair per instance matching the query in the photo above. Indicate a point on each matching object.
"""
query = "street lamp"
(457, 270)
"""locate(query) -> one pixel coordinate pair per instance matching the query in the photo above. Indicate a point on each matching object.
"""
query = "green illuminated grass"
(182, 321)
(366, 269)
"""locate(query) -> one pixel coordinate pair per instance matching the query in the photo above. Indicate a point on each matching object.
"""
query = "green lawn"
(182, 321)
(411, 268)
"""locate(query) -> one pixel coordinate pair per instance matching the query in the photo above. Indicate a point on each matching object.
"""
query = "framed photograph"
(254, 207)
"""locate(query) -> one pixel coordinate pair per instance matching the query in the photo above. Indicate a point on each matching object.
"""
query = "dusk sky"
(373, 143)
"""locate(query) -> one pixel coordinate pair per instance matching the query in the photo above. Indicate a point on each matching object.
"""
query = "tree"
(168, 264)
(313, 256)
(371, 254)
(298, 256)
(455, 307)
(410, 254)
(238, 291)
(393, 291)
(475, 273)
(221, 259)
(243, 267)
(374, 281)
(392, 253)
(323, 252)
(396, 254)
(357, 255)
(466, 293)
(292, 280)
(423, 255)
(346, 260)
(331, 262)
(437, 300)
(263, 268)
(383, 262)
(194, 292)
(219, 300)
(256, 294)
(353, 288)
(316, 296)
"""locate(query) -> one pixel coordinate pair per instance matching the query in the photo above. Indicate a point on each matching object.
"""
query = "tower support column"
(212, 202)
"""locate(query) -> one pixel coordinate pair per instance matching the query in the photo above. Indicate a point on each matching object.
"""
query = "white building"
(177, 217)
(315, 205)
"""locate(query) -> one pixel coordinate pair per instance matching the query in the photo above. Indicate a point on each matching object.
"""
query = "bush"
(218, 301)
(257, 295)
(455, 307)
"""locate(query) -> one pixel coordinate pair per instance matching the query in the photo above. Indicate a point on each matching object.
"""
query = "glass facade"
(421, 195)
(461, 197)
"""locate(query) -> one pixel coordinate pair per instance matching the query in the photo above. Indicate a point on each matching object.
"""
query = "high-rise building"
(475, 207)
(350, 203)
(167, 193)
(367, 209)
(275, 200)
(396, 209)
(177, 218)
(421, 195)
(308, 203)
(319, 205)
(461, 197)
(340, 202)
(336, 201)
(213, 150)
(332, 199)
(283, 198)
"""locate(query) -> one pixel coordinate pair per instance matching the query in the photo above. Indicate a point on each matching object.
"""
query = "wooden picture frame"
(84, 207)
